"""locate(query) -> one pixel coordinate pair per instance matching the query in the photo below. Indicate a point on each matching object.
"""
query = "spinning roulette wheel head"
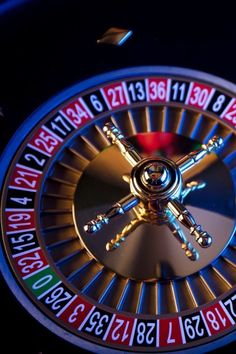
(118, 212)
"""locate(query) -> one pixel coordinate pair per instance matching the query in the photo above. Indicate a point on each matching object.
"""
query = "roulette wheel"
(117, 194)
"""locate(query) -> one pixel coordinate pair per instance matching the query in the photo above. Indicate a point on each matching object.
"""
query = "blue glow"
(74, 274)
(211, 133)
(107, 290)
(182, 123)
(166, 120)
(140, 304)
(10, 4)
(124, 39)
(123, 297)
(233, 174)
(229, 159)
(91, 283)
(197, 128)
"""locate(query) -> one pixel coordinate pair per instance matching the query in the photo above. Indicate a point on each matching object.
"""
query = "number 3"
(73, 317)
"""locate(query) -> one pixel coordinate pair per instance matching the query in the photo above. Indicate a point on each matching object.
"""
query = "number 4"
(23, 201)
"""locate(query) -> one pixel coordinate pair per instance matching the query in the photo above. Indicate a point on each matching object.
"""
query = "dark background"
(46, 46)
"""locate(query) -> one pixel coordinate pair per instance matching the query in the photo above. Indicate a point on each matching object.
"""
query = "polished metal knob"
(162, 201)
